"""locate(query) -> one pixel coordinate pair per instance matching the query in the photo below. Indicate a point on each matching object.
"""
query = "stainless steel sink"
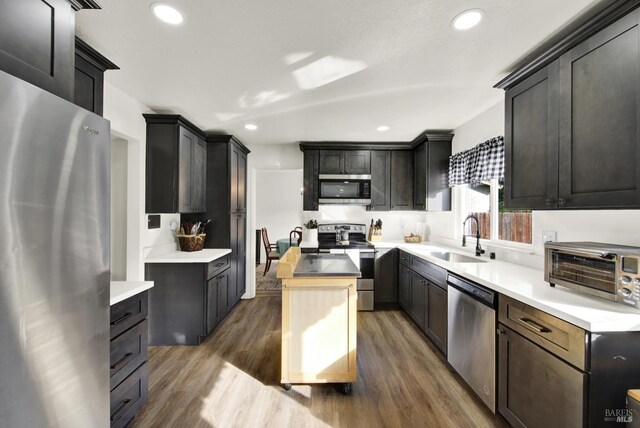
(457, 258)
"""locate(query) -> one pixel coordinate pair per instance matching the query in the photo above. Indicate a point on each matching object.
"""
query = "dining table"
(283, 245)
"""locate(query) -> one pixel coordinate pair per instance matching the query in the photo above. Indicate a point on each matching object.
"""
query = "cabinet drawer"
(433, 273)
(128, 351)
(405, 258)
(553, 334)
(537, 389)
(128, 313)
(217, 266)
(128, 397)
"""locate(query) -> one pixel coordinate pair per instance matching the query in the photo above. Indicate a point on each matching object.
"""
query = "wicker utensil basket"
(413, 239)
(191, 242)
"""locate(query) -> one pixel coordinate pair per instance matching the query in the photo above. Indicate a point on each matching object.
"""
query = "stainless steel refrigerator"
(54, 261)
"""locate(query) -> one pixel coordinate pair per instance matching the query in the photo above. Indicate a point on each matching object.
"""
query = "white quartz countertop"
(205, 256)
(121, 290)
(528, 286)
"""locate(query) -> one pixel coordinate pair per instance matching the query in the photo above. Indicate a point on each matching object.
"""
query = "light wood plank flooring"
(232, 380)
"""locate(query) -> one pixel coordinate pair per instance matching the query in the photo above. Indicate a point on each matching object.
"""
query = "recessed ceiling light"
(251, 127)
(383, 128)
(166, 13)
(467, 19)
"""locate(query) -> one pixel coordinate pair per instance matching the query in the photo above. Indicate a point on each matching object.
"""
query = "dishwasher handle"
(478, 292)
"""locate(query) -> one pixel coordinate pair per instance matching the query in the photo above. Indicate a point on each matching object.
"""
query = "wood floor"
(232, 380)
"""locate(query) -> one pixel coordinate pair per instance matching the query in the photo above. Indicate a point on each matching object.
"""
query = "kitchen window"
(485, 200)
(477, 174)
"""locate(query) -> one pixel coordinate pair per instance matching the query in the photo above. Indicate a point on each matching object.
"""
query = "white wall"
(273, 157)
(483, 127)
(278, 202)
(127, 123)
(161, 240)
(611, 226)
(118, 173)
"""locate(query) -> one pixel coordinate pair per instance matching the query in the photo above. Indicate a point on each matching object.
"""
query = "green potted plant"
(310, 233)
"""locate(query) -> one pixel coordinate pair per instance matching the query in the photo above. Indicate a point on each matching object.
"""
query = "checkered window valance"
(481, 163)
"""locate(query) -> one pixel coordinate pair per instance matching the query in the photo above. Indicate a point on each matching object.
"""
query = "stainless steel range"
(351, 239)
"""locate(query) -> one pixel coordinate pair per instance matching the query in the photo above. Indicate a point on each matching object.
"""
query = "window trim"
(462, 210)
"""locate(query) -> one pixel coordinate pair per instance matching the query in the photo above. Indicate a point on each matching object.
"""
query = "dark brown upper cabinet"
(599, 119)
(431, 190)
(401, 180)
(176, 165)
(572, 129)
(380, 180)
(531, 141)
(350, 162)
(37, 42)
(90, 67)
(310, 180)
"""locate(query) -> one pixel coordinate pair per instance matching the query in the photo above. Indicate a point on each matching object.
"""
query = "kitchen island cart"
(319, 304)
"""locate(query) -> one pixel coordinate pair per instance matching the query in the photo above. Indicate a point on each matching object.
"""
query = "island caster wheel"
(287, 386)
(346, 388)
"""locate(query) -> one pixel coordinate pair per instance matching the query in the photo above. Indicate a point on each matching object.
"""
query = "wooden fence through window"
(512, 226)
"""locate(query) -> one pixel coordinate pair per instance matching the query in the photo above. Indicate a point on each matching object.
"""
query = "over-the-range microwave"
(604, 270)
(344, 189)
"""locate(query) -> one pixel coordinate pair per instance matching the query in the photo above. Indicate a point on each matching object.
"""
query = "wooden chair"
(271, 250)
(296, 234)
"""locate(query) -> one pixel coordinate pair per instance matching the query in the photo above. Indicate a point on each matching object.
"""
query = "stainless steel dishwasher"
(471, 346)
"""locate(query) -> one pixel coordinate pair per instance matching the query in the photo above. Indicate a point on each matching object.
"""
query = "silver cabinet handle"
(122, 361)
(120, 411)
(534, 325)
(122, 318)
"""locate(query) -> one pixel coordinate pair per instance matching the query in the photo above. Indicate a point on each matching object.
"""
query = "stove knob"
(625, 279)
(625, 292)
(636, 282)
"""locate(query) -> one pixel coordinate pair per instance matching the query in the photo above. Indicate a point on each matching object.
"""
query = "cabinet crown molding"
(95, 58)
(553, 49)
(213, 137)
(173, 119)
(429, 135)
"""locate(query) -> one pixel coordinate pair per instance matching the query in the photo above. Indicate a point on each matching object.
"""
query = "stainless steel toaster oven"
(603, 270)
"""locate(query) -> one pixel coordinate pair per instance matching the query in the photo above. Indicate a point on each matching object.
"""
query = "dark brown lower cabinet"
(436, 322)
(552, 373)
(188, 300)
(418, 300)
(128, 358)
(422, 293)
(537, 389)
(386, 276)
(404, 287)
(129, 397)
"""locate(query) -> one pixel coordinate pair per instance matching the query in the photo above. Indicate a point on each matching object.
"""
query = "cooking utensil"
(195, 228)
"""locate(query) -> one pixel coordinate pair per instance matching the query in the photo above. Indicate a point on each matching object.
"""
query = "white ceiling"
(244, 61)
